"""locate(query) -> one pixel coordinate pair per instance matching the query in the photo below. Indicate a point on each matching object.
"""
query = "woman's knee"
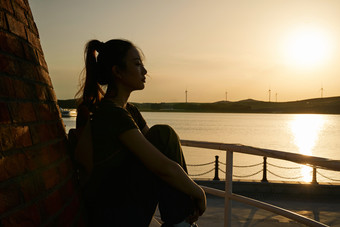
(161, 128)
(161, 135)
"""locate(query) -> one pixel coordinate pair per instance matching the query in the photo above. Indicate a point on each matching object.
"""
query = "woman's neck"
(119, 98)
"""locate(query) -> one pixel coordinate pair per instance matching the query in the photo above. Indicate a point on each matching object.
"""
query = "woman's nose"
(144, 71)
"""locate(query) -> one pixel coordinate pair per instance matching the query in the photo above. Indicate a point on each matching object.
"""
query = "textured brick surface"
(37, 183)
(6, 5)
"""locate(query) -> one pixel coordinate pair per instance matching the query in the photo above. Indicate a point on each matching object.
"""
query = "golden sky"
(215, 49)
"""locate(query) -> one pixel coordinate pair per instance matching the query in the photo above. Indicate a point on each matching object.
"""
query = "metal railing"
(264, 169)
(315, 162)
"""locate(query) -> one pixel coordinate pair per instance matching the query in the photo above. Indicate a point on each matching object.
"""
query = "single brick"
(8, 65)
(6, 87)
(19, 12)
(16, 27)
(46, 112)
(41, 92)
(33, 39)
(27, 70)
(6, 140)
(21, 136)
(19, 88)
(5, 117)
(43, 76)
(6, 5)
(22, 112)
(9, 197)
(30, 53)
(32, 26)
(42, 61)
(28, 9)
(33, 158)
(24, 90)
(10, 44)
(52, 95)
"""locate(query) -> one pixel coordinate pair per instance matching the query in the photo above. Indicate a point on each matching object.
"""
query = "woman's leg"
(174, 205)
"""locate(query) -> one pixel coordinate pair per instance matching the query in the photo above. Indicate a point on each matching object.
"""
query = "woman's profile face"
(133, 76)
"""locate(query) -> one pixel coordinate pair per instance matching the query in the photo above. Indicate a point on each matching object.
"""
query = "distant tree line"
(329, 105)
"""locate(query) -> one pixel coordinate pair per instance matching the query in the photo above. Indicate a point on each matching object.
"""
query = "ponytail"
(90, 88)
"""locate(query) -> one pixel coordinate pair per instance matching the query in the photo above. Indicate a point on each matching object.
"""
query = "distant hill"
(330, 105)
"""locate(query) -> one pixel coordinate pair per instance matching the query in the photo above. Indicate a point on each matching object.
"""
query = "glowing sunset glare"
(306, 129)
(308, 47)
(206, 48)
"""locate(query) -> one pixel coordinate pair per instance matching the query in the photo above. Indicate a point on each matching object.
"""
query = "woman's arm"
(145, 129)
(166, 169)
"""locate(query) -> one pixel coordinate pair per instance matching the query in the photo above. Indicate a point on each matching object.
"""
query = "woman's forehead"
(133, 53)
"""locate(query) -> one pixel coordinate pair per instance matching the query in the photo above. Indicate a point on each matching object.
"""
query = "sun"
(307, 47)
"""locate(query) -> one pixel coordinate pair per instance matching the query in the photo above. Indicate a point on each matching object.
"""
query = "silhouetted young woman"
(135, 168)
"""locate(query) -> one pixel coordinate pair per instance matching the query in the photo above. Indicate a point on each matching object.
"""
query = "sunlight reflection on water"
(306, 130)
(309, 134)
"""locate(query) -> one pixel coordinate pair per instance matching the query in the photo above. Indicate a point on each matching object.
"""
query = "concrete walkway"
(326, 211)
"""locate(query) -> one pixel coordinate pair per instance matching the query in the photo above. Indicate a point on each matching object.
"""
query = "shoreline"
(330, 105)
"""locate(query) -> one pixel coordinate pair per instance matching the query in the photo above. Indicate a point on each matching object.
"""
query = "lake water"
(309, 134)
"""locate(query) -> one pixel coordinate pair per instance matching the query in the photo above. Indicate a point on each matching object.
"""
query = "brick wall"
(37, 186)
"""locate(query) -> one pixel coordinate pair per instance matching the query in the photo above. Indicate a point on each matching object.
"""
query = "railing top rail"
(319, 162)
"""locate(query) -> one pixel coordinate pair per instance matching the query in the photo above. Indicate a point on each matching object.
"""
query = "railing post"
(216, 169)
(264, 176)
(314, 181)
(228, 189)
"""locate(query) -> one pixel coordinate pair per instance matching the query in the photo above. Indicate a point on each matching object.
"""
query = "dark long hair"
(99, 59)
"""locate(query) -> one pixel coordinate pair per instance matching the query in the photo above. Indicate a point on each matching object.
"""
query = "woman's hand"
(200, 206)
